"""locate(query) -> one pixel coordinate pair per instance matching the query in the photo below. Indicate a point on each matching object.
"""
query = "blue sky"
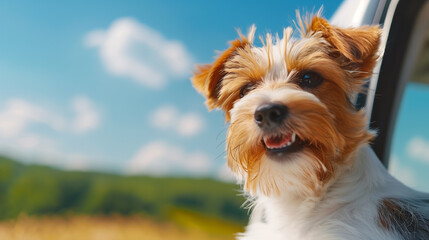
(77, 92)
(105, 85)
(409, 159)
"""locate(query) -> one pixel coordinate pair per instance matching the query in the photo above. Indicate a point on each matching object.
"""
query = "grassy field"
(39, 202)
(185, 225)
(40, 190)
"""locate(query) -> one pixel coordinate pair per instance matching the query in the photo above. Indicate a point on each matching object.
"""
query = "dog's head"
(289, 103)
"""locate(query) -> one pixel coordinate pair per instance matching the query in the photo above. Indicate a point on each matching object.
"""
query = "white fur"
(348, 210)
(348, 206)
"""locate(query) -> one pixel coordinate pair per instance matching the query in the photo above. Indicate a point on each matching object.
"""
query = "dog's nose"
(270, 115)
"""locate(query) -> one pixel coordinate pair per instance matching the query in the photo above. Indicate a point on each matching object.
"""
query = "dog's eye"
(310, 80)
(246, 89)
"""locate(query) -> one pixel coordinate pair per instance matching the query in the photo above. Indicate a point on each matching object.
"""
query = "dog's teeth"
(269, 141)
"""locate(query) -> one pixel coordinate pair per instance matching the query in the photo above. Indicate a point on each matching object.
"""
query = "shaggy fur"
(328, 184)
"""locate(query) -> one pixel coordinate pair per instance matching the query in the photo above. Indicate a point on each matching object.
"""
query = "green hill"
(41, 190)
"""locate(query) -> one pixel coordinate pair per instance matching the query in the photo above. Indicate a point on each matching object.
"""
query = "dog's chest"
(335, 230)
(278, 220)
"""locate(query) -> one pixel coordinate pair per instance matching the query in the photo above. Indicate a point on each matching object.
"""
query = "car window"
(409, 155)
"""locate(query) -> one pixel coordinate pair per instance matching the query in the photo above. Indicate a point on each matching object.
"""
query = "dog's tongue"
(277, 141)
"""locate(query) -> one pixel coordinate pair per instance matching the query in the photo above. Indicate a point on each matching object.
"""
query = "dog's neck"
(365, 178)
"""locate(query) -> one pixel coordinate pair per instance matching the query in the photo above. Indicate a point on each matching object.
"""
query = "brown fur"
(358, 45)
(331, 129)
(240, 70)
(207, 77)
(404, 218)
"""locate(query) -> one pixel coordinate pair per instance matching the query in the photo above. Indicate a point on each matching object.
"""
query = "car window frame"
(390, 84)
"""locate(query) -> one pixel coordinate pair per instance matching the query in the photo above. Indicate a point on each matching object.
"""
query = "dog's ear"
(358, 47)
(208, 78)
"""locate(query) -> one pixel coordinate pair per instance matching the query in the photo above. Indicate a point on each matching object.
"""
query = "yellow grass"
(187, 226)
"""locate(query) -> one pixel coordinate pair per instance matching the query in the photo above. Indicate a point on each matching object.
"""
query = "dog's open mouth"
(280, 143)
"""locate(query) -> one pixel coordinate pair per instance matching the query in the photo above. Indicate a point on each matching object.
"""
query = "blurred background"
(102, 135)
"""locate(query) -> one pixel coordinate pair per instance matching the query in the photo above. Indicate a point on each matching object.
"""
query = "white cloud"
(28, 147)
(19, 137)
(160, 158)
(189, 124)
(168, 117)
(164, 117)
(74, 161)
(226, 175)
(402, 173)
(32, 147)
(131, 49)
(18, 114)
(34, 142)
(418, 148)
(87, 117)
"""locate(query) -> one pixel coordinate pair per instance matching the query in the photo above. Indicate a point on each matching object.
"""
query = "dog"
(298, 145)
